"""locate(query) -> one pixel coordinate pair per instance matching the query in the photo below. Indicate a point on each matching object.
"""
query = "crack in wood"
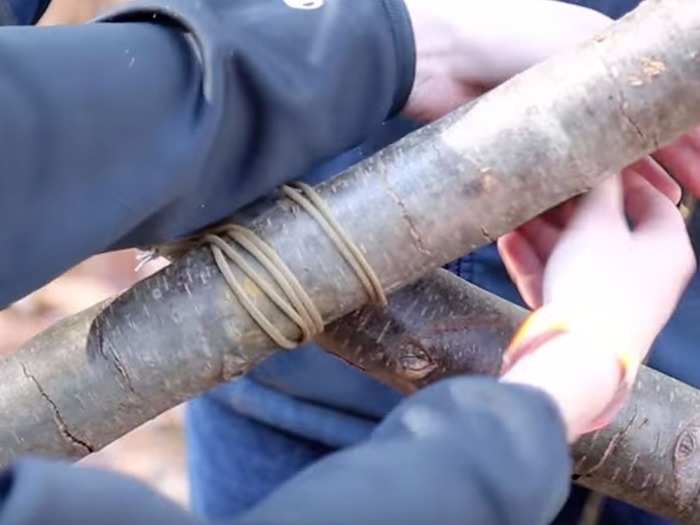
(58, 418)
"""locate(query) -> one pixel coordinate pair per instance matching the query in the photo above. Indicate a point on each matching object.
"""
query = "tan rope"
(294, 302)
(314, 206)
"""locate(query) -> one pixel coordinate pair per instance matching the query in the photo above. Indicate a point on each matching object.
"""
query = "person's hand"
(682, 160)
(67, 12)
(615, 286)
(466, 47)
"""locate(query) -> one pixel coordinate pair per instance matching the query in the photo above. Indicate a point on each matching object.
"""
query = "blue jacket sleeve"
(21, 12)
(177, 113)
(465, 451)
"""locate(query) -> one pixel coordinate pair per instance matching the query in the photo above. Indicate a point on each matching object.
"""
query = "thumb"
(602, 209)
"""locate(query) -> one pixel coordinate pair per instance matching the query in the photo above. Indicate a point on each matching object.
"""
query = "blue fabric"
(234, 461)
(454, 453)
(27, 11)
(212, 118)
(612, 8)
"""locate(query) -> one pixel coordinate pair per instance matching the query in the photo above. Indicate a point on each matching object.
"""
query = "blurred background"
(155, 453)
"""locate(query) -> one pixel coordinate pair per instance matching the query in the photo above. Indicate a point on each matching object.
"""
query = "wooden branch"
(548, 134)
(437, 327)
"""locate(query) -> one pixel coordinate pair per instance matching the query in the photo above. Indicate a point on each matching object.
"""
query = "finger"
(524, 267)
(652, 214)
(661, 245)
(560, 216)
(601, 208)
(506, 49)
(542, 236)
(658, 177)
(662, 251)
(682, 160)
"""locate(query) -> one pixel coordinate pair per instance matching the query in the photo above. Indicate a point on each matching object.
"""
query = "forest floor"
(154, 453)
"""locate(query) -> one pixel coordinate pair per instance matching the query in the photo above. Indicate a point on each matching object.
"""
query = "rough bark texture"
(650, 455)
(544, 136)
(438, 327)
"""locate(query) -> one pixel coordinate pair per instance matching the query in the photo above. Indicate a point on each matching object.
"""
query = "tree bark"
(528, 145)
(438, 327)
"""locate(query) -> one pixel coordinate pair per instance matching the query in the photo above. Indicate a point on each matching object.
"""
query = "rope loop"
(227, 242)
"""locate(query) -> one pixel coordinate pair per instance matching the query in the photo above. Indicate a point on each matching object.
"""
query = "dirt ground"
(153, 453)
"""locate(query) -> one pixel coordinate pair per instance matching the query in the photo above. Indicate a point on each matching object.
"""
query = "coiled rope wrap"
(225, 243)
